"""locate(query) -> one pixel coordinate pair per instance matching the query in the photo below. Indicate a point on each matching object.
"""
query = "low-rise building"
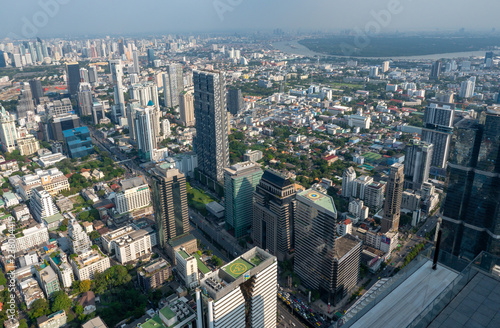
(88, 263)
(176, 314)
(30, 291)
(64, 271)
(135, 194)
(95, 323)
(50, 159)
(21, 212)
(54, 320)
(128, 244)
(64, 204)
(10, 199)
(252, 155)
(31, 237)
(52, 180)
(48, 280)
(154, 274)
(187, 267)
(27, 145)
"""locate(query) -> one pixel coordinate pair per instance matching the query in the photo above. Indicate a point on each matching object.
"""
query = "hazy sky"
(121, 17)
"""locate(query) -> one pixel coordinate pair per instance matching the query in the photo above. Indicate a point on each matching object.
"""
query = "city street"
(428, 226)
(199, 235)
(288, 318)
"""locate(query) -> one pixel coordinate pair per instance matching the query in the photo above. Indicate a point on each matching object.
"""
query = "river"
(295, 48)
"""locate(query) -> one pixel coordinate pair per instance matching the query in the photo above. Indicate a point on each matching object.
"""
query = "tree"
(61, 301)
(94, 235)
(83, 215)
(217, 261)
(84, 286)
(39, 307)
(23, 323)
(78, 309)
(101, 193)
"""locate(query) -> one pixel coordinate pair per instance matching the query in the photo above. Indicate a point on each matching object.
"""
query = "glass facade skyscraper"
(471, 209)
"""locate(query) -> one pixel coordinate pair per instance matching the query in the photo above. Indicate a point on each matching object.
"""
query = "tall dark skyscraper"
(73, 77)
(471, 209)
(36, 90)
(170, 203)
(151, 56)
(435, 70)
(234, 101)
(273, 211)
(2, 59)
(393, 196)
(323, 261)
(211, 140)
(437, 130)
(488, 55)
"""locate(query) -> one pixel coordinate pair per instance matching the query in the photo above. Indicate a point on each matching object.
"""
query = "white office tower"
(467, 88)
(118, 109)
(93, 74)
(135, 58)
(85, 99)
(165, 128)
(144, 131)
(8, 133)
(144, 92)
(84, 75)
(242, 293)
(347, 181)
(78, 238)
(373, 71)
(42, 205)
(173, 84)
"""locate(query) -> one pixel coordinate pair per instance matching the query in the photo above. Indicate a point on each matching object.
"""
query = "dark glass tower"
(273, 210)
(211, 142)
(73, 77)
(36, 90)
(170, 203)
(471, 209)
(234, 101)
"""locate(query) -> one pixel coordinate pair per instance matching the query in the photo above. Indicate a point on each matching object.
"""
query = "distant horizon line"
(268, 32)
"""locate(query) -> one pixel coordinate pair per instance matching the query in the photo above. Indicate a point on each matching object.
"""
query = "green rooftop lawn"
(167, 313)
(256, 260)
(154, 322)
(201, 266)
(197, 198)
(238, 267)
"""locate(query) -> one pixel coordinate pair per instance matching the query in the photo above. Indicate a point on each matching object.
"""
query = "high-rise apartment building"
(135, 58)
(73, 77)
(25, 101)
(173, 84)
(78, 239)
(186, 108)
(374, 196)
(118, 108)
(144, 92)
(323, 261)
(418, 159)
(273, 212)
(437, 130)
(211, 142)
(240, 181)
(435, 70)
(394, 193)
(234, 101)
(170, 202)
(42, 205)
(85, 99)
(243, 293)
(348, 178)
(8, 132)
(470, 211)
(144, 132)
(467, 88)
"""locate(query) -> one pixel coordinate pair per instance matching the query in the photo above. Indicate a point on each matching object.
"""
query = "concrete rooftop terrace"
(405, 303)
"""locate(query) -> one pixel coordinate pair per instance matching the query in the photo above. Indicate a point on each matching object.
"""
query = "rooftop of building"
(219, 283)
(276, 178)
(133, 182)
(345, 244)
(456, 294)
(95, 323)
(154, 267)
(180, 240)
(243, 168)
(319, 199)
